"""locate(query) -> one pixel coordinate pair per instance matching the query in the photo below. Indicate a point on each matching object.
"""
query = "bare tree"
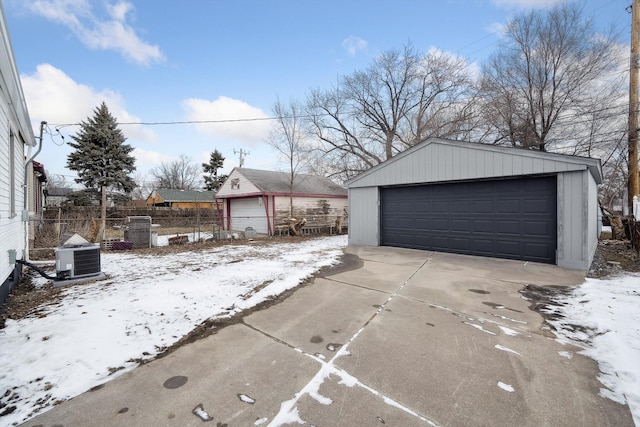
(180, 174)
(542, 75)
(143, 187)
(287, 137)
(403, 98)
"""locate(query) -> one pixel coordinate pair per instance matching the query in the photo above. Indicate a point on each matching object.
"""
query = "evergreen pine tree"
(213, 181)
(101, 157)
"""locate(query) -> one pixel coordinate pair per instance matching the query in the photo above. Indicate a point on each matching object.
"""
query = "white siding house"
(16, 139)
(479, 199)
(261, 200)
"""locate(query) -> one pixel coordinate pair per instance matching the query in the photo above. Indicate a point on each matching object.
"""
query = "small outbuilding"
(478, 199)
(262, 199)
(182, 199)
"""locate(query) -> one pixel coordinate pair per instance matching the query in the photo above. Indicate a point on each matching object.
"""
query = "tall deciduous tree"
(540, 79)
(287, 137)
(402, 99)
(180, 174)
(212, 180)
(101, 158)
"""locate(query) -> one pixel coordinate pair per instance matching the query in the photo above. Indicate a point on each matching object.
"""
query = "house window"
(235, 184)
(12, 175)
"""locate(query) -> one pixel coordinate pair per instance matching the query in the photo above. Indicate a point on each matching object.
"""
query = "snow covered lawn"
(608, 313)
(99, 330)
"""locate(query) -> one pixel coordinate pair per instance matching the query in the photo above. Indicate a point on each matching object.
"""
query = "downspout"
(25, 212)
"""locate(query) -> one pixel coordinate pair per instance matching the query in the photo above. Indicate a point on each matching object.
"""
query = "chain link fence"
(132, 228)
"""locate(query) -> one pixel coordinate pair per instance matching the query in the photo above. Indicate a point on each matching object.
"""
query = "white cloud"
(56, 98)
(146, 160)
(100, 33)
(497, 28)
(233, 119)
(353, 45)
(472, 68)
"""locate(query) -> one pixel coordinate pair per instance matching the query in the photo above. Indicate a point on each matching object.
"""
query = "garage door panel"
(509, 227)
(509, 206)
(483, 225)
(514, 218)
(463, 225)
(536, 228)
(248, 213)
(483, 206)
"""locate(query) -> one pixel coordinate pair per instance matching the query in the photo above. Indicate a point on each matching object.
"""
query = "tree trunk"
(103, 216)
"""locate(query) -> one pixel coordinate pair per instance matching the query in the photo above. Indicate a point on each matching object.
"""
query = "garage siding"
(363, 216)
(512, 218)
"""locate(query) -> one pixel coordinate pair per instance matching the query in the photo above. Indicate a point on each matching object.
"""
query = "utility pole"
(242, 154)
(634, 63)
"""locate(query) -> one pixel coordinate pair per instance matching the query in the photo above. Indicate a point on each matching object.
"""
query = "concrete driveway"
(392, 337)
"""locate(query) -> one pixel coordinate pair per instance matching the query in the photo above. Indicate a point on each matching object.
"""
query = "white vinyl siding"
(12, 174)
(11, 193)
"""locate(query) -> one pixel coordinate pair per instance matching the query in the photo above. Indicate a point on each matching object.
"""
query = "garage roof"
(278, 183)
(437, 160)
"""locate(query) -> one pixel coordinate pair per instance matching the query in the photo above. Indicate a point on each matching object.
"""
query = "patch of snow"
(566, 354)
(480, 328)
(508, 318)
(199, 412)
(288, 414)
(246, 399)
(507, 349)
(261, 421)
(508, 331)
(608, 311)
(506, 387)
(96, 331)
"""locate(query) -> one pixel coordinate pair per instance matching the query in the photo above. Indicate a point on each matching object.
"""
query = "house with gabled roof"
(182, 199)
(17, 140)
(262, 200)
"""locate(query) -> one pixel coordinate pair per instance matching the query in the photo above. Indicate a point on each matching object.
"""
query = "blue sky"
(184, 60)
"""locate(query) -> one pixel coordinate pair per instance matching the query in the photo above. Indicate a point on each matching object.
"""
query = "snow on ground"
(97, 331)
(609, 312)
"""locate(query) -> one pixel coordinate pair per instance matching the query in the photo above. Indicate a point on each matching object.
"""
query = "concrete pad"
(220, 370)
(444, 368)
(504, 269)
(376, 275)
(389, 255)
(319, 319)
(354, 406)
(474, 295)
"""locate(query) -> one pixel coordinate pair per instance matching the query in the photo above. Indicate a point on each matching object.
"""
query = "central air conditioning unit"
(77, 261)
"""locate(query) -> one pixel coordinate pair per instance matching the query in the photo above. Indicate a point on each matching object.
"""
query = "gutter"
(25, 211)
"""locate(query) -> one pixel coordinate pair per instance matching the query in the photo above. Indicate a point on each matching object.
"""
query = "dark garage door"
(511, 218)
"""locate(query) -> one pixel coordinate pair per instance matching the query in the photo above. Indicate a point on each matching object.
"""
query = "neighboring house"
(261, 200)
(185, 199)
(57, 196)
(478, 199)
(37, 178)
(16, 141)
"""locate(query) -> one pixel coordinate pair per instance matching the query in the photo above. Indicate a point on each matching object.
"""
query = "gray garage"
(478, 199)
